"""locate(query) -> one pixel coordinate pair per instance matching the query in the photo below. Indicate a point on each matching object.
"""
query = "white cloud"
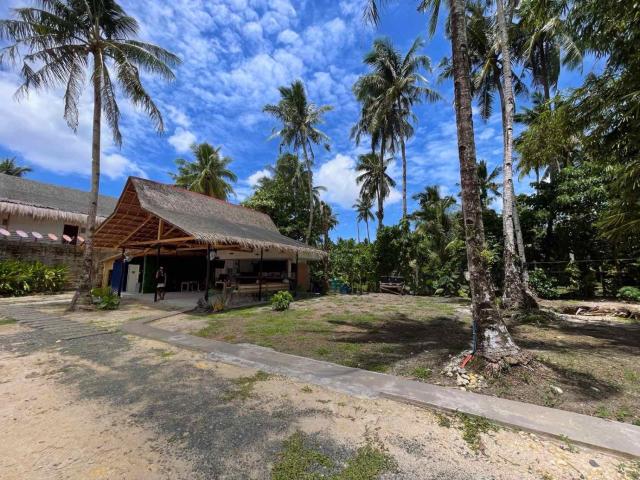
(253, 179)
(288, 36)
(486, 134)
(35, 129)
(182, 140)
(338, 176)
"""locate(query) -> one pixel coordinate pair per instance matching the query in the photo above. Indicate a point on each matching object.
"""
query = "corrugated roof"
(44, 200)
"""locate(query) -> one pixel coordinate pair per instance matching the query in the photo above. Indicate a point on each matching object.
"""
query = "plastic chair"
(36, 235)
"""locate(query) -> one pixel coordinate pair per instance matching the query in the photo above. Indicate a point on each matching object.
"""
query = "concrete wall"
(50, 254)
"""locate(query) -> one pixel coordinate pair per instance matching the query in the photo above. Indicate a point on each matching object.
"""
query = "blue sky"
(235, 54)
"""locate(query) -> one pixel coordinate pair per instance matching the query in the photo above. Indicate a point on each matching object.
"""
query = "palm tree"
(60, 40)
(548, 41)
(434, 220)
(208, 173)
(363, 208)
(299, 130)
(489, 187)
(388, 94)
(374, 180)
(515, 293)
(495, 342)
(8, 166)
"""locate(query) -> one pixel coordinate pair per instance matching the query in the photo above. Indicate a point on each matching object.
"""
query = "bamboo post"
(155, 290)
(208, 270)
(122, 262)
(260, 276)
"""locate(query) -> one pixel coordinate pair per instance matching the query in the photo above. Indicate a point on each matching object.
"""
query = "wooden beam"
(166, 240)
(160, 225)
(135, 231)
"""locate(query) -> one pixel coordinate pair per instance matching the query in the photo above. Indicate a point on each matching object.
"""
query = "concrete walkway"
(616, 437)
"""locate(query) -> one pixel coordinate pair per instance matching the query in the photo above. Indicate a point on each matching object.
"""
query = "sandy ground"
(121, 407)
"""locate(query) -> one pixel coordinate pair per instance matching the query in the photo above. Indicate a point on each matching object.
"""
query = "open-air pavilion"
(204, 245)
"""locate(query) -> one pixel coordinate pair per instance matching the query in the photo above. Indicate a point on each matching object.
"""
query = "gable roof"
(201, 218)
(19, 196)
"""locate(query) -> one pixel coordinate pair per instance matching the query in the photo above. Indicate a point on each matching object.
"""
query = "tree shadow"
(400, 337)
(624, 337)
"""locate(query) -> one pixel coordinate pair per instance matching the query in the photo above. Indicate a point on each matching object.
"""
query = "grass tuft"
(243, 386)
(472, 427)
(301, 462)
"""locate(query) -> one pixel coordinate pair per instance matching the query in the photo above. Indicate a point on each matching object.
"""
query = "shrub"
(21, 278)
(631, 294)
(542, 284)
(105, 298)
(281, 300)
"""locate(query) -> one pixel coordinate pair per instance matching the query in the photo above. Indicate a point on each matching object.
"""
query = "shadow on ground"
(186, 404)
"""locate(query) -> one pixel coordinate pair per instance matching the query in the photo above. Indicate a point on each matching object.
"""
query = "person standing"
(161, 283)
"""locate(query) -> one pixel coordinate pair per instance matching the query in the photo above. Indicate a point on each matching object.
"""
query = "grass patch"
(472, 427)
(167, 353)
(368, 464)
(301, 462)
(443, 420)
(7, 321)
(423, 373)
(630, 470)
(243, 386)
(306, 389)
(298, 461)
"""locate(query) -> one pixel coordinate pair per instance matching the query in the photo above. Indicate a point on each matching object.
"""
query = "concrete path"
(61, 328)
(617, 437)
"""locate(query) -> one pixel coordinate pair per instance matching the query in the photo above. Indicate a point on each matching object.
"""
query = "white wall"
(29, 224)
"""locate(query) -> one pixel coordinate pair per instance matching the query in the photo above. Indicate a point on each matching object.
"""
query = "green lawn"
(352, 331)
(595, 366)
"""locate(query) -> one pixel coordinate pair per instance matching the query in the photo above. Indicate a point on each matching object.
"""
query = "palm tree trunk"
(514, 294)
(86, 279)
(404, 178)
(380, 212)
(520, 243)
(494, 341)
(368, 237)
(310, 185)
(358, 228)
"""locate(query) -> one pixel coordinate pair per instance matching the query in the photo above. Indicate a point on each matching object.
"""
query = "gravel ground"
(164, 413)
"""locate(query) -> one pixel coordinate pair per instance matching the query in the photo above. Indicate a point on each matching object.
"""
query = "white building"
(28, 206)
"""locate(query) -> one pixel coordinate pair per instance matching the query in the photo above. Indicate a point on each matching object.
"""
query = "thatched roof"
(43, 201)
(151, 214)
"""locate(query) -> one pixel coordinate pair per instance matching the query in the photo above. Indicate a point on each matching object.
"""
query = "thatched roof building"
(43, 201)
(155, 215)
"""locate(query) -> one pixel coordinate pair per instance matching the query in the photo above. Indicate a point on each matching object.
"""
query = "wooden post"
(155, 290)
(121, 274)
(208, 270)
(144, 272)
(295, 290)
(260, 277)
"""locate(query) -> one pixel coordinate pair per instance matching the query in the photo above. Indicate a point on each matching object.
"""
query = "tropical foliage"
(59, 42)
(280, 301)
(208, 173)
(22, 278)
(299, 119)
(8, 166)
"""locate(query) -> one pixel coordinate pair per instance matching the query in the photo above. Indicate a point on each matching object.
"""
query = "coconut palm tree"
(8, 166)
(548, 41)
(495, 342)
(389, 93)
(208, 173)
(58, 42)
(374, 180)
(299, 130)
(363, 208)
(489, 187)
